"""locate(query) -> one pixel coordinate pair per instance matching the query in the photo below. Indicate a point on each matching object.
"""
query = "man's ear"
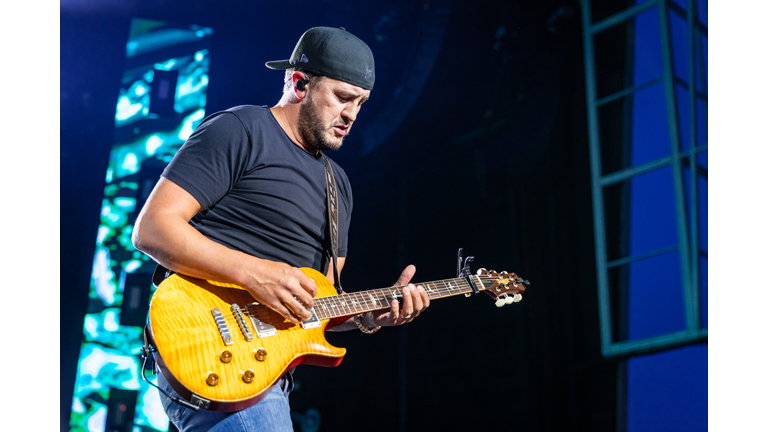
(299, 85)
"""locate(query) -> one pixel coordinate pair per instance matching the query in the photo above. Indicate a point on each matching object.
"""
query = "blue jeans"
(271, 414)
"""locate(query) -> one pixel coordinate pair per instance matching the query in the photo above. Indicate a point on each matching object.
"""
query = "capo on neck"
(465, 272)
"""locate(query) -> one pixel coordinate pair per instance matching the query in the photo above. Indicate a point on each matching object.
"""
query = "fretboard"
(363, 301)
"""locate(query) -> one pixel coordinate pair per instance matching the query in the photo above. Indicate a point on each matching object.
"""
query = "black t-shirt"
(261, 193)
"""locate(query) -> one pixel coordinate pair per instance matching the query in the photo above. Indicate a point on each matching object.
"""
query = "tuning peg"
(509, 300)
(481, 271)
(517, 298)
(500, 302)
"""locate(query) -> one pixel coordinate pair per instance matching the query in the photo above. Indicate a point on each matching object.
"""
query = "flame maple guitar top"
(189, 341)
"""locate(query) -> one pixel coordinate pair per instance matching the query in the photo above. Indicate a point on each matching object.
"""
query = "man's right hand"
(282, 288)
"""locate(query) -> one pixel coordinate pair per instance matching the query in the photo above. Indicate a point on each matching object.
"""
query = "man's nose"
(350, 113)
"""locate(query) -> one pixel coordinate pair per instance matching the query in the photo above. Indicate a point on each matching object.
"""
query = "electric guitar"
(221, 350)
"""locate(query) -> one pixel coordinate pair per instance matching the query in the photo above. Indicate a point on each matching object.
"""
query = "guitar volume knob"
(261, 354)
(212, 379)
(225, 357)
(248, 376)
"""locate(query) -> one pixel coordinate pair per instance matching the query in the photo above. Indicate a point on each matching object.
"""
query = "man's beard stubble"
(312, 129)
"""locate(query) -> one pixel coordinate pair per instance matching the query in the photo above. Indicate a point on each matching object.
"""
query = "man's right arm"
(163, 232)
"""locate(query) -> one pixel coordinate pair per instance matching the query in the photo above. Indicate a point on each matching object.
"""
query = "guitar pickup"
(238, 313)
(312, 322)
(221, 323)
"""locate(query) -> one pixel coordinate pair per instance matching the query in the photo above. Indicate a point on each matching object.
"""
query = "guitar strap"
(333, 219)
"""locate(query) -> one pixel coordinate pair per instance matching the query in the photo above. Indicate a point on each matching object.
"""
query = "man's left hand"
(415, 301)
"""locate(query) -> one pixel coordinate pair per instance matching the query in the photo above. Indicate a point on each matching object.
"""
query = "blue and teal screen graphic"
(161, 101)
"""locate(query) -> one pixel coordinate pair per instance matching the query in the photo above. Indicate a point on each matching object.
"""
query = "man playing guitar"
(243, 202)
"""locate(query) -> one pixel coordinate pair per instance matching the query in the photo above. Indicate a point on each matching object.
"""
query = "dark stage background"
(492, 156)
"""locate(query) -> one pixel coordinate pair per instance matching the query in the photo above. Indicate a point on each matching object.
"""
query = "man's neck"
(287, 115)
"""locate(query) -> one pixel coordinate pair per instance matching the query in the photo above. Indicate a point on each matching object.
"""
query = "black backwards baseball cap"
(332, 52)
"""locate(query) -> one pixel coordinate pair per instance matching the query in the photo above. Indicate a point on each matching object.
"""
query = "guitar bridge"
(241, 322)
(221, 323)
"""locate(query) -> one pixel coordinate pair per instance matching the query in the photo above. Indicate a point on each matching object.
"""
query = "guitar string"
(358, 300)
(368, 304)
(339, 301)
(446, 291)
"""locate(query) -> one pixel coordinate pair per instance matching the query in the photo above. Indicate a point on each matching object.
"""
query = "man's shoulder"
(249, 110)
(241, 112)
(246, 118)
(253, 117)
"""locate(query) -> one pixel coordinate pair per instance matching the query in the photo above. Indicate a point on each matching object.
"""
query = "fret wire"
(383, 297)
(343, 305)
(325, 308)
(353, 303)
(333, 306)
(361, 300)
(358, 302)
(322, 307)
(373, 299)
(327, 311)
(367, 301)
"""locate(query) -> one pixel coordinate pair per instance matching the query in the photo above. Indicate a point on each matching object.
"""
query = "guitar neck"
(364, 301)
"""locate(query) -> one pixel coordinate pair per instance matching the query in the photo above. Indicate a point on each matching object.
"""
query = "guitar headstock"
(506, 288)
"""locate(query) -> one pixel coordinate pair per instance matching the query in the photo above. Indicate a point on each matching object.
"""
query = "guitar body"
(206, 358)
